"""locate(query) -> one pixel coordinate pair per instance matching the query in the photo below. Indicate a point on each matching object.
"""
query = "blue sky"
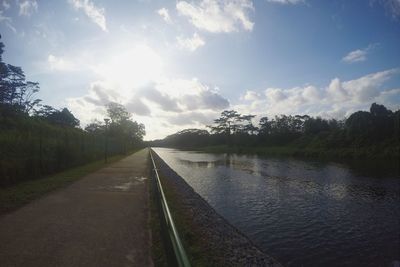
(178, 64)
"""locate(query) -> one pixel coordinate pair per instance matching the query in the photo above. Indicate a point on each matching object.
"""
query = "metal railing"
(173, 236)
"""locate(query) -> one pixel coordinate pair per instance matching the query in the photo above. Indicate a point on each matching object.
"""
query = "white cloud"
(368, 87)
(251, 96)
(355, 56)
(138, 107)
(336, 91)
(192, 119)
(4, 18)
(27, 7)
(191, 43)
(336, 100)
(60, 64)
(96, 14)
(163, 12)
(392, 6)
(285, 2)
(358, 55)
(164, 106)
(218, 15)
(6, 5)
(163, 100)
(206, 99)
(7, 21)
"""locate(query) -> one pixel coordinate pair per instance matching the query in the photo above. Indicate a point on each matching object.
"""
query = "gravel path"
(228, 245)
(100, 220)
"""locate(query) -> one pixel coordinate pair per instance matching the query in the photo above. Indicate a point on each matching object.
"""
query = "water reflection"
(308, 213)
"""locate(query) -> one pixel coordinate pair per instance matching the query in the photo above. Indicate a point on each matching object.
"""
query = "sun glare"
(133, 67)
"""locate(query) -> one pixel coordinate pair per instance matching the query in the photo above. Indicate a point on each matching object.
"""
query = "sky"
(178, 64)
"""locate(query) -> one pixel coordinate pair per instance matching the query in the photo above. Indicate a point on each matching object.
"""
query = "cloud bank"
(164, 106)
(336, 100)
(174, 104)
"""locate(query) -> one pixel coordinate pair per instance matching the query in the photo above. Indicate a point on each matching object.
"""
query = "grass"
(370, 152)
(196, 250)
(157, 246)
(13, 197)
(197, 256)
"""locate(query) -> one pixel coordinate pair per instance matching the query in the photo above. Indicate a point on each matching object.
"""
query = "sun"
(133, 67)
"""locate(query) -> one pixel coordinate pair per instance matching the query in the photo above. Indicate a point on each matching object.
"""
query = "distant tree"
(95, 127)
(396, 130)
(16, 94)
(64, 118)
(122, 127)
(265, 126)
(136, 131)
(377, 110)
(359, 124)
(60, 117)
(117, 112)
(316, 125)
(226, 123)
(44, 111)
(187, 138)
(246, 124)
(383, 121)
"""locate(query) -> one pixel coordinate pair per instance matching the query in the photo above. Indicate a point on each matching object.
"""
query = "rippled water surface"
(304, 213)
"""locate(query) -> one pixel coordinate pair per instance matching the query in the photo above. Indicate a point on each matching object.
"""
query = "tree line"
(373, 133)
(38, 139)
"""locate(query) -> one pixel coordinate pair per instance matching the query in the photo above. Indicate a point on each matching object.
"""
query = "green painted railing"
(179, 250)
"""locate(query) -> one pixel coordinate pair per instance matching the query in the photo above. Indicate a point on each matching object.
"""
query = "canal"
(302, 212)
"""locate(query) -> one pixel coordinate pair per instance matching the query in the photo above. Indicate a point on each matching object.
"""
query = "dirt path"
(101, 220)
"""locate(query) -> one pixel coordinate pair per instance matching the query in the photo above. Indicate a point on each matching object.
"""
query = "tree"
(122, 127)
(226, 123)
(54, 116)
(265, 126)
(246, 125)
(383, 121)
(359, 124)
(16, 94)
(187, 138)
(95, 127)
(64, 118)
(377, 110)
(117, 113)
(316, 125)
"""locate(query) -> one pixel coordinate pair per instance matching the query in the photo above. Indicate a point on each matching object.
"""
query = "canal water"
(303, 213)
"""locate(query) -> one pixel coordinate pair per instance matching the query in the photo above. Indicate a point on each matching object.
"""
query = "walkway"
(101, 220)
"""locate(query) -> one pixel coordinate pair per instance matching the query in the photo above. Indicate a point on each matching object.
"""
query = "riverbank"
(378, 152)
(209, 239)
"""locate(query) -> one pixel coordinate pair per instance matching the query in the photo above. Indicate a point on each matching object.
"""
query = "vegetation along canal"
(304, 213)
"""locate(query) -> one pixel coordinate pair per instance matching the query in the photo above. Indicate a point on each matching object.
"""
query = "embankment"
(209, 239)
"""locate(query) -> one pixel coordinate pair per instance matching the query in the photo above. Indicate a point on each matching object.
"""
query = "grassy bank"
(158, 253)
(182, 222)
(15, 196)
(194, 244)
(388, 151)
